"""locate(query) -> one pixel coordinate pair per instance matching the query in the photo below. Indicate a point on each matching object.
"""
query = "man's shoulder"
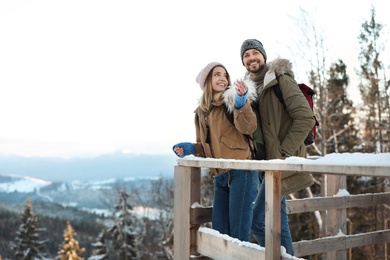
(280, 67)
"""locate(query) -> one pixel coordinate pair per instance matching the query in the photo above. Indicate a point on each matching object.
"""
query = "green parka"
(284, 128)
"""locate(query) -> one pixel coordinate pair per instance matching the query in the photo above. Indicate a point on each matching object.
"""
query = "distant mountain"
(115, 165)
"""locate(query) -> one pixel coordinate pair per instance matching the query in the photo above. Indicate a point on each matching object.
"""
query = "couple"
(239, 195)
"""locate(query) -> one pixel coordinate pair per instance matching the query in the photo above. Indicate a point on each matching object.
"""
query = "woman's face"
(219, 79)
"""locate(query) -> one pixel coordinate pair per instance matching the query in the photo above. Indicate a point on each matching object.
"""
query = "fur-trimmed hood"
(280, 66)
(230, 94)
(276, 68)
(272, 70)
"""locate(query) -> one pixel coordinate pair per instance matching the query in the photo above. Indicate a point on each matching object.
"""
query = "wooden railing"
(193, 241)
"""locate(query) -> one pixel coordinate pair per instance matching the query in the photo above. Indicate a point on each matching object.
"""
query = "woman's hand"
(183, 149)
(178, 150)
(241, 87)
(241, 93)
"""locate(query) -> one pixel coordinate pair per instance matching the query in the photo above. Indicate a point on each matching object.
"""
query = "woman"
(217, 137)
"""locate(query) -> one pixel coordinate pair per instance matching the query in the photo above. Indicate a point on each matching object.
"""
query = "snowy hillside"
(96, 196)
(22, 184)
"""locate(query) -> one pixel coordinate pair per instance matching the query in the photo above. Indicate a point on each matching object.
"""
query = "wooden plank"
(201, 215)
(272, 214)
(317, 246)
(326, 203)
(334, 243)
(368, 238)
(314, 204)
(366, 200)
(349, 168)
(186, 192)
(210, 243)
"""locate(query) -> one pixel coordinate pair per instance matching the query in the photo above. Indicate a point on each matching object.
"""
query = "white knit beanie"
(201, 78)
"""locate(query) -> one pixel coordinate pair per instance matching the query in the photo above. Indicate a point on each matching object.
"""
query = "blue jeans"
(258, 223)
(235, 193)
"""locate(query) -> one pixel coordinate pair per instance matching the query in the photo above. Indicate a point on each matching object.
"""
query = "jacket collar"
(271, 71)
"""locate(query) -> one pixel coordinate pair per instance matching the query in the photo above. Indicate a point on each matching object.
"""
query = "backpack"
(308, 93)
(256, 143)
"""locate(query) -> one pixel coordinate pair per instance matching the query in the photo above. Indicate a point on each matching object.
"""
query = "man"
(284, 128)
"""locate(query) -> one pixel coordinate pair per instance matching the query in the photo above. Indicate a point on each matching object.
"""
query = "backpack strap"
(228, 114)
(230, 117)
(279, 94)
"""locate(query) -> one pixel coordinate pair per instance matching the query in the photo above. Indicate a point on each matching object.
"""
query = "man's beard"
(256, 70)
(258, 77)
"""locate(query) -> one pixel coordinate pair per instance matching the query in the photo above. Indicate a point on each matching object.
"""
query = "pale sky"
(89, 77)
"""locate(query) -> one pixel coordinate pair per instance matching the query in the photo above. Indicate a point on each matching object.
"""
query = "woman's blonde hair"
(208, 96)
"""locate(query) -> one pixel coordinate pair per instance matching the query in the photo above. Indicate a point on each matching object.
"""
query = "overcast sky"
(88, 77)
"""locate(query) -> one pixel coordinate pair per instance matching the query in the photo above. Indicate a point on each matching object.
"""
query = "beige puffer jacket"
(217, 137)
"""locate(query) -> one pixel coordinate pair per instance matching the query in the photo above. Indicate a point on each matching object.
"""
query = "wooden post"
(336, 219)
(186, 192)
(272, 214)
(324, 193)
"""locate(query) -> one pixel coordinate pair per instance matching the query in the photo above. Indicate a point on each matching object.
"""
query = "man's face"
(253, 60)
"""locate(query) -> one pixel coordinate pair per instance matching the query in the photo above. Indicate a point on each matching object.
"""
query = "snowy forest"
(121, 235)
(343, 127)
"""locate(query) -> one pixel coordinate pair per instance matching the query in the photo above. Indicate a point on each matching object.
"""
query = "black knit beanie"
(252, 44)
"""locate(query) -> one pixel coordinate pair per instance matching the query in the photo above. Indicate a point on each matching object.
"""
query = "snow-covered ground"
(23, 184)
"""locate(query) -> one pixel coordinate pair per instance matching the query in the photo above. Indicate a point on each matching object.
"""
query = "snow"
(345, 159)
(196, 205)
(104, 212)
(147, 212)
(352, 159)
(98, 257)
(230, 239)
(215, 233)
(342, 192)
(340, 234)
(23, 184)
(138, 211)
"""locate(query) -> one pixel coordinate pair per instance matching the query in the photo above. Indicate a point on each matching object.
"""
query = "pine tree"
(162, 197)
(28, 245)
(124, 230)
(99, 251)
(70, 248)
(339, 129)
(374, 87)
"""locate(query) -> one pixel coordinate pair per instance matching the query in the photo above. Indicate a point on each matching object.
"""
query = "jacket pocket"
(234, 143)
(292, 182)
